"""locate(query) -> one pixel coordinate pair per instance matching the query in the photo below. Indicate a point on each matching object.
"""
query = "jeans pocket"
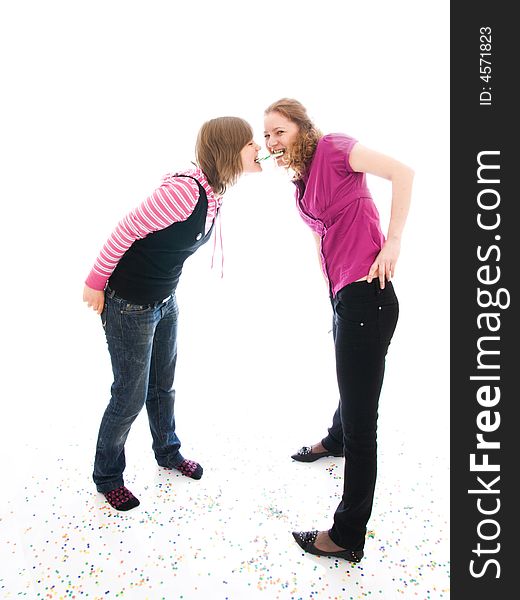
(127, 308)
(387, 321)
(358, 323)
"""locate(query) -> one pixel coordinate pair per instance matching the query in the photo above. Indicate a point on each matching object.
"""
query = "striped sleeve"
(170, 203)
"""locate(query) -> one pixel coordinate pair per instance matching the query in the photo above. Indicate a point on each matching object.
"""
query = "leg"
(365, 318)
(332, 443)
(364, 331)
(360, 372)
(160, 399)
(161, 393)
(129, 333)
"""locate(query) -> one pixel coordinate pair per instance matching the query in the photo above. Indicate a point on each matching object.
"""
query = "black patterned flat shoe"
(306, 539)
(306, 454)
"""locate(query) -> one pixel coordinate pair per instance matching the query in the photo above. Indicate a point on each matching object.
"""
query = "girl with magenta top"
(358, 262)
(132, 286)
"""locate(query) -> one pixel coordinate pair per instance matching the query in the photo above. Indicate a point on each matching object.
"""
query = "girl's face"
(279, 134)
(248, 154)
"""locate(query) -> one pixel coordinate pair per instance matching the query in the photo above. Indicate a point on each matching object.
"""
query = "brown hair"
(300, 154)
(217, 150)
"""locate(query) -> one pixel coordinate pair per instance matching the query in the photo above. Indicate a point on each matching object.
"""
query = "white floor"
(226, 536)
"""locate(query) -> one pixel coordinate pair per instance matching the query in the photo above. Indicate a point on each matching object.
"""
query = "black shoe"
(190, 468)
(306, 454)
(306, 539)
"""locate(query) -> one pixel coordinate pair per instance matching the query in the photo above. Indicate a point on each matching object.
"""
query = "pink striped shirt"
(173, 201)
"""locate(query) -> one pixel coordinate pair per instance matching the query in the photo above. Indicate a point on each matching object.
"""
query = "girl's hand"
(95, 299)
(384, 265)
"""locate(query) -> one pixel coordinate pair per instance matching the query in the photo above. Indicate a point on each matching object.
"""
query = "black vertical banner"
(485, 268)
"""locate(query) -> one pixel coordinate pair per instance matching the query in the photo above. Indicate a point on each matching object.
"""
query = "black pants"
(365, 318)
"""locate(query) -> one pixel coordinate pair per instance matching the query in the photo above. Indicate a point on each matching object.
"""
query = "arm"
(363, 159)
(172, 202)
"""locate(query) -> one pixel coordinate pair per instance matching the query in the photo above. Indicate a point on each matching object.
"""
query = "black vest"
(150, 269)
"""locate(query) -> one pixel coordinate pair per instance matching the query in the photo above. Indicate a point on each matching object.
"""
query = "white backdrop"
(101, 98)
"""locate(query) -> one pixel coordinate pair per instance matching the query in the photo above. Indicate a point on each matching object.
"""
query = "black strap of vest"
(201, 188)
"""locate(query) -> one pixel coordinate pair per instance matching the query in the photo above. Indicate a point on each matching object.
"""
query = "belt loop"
(109, 292)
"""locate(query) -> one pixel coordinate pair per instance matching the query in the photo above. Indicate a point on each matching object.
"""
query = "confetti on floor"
(225, 537)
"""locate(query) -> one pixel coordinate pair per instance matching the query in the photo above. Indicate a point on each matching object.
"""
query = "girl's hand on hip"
(384, 265)
(95, 299)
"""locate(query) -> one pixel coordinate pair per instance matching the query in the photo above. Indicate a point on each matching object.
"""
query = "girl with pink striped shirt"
(132, 286)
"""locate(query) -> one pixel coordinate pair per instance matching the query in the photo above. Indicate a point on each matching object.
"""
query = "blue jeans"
(142, 342)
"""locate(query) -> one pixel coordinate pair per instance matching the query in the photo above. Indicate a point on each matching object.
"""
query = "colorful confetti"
(227, 536)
